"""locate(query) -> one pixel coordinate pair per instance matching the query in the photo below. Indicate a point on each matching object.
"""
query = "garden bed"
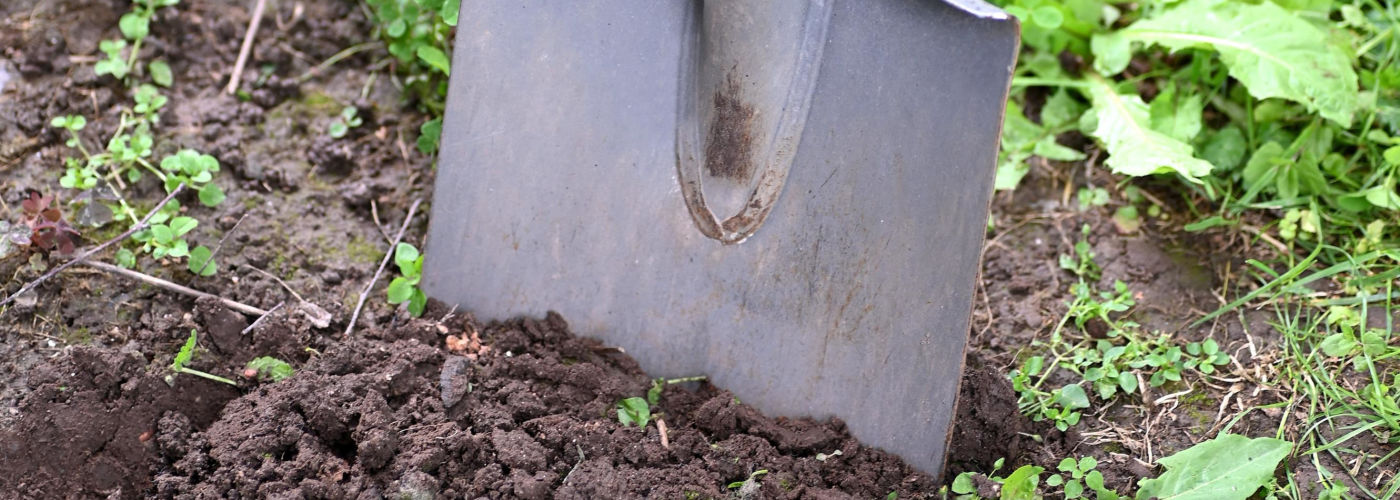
(452, 406)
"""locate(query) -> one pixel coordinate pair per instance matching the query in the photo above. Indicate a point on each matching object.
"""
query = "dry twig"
(412, 209)
(175, 287)
(220, 246)
(247, 46)
(278, 280)
(374, 212)
(260, 319)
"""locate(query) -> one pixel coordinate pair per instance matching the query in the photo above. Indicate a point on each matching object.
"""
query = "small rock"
(454, 380)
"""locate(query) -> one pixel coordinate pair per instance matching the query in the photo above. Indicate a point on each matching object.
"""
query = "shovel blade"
(558, 189)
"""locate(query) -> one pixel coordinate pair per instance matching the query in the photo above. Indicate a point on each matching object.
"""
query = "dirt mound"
(390, 412)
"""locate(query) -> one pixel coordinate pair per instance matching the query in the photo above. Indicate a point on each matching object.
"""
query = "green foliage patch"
(405, 288)
(418, 33)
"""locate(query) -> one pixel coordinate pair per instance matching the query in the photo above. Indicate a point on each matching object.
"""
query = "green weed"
(195, 170)
(1228, 467)
(127, 157)
(752, 480)
(268, 368)
(1286, 107)
(637, 410)
(183, 357)
(1109, 362)
(633, 411)
(135, 26)
(1231, 111)
(418, 34)
(405, 288)
(349, 118)
(1078, 476)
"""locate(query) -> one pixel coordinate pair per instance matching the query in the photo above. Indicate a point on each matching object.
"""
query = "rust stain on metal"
(729, 148)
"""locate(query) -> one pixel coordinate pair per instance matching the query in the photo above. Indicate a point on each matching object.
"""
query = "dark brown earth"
(392, 413)
(392, 410)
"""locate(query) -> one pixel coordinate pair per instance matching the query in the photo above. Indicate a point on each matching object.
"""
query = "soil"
(446, 405)
(390, 412)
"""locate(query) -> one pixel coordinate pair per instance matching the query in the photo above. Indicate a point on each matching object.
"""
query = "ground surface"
(526, 412)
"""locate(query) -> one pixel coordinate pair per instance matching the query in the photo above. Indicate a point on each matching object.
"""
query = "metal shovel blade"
(787, 196)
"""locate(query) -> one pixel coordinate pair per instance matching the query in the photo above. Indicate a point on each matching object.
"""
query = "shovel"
(789, 197)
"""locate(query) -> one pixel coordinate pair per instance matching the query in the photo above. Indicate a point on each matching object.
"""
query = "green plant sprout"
(752, 479)
(964, 485)
(1082, 262)
(416, 32)
(201, 261)
(1060, 406)
(429, 136)
(149, 102)
(126, 259)
(636, 410)
(349, 118)
(135, 26)
(115, 64)
(269, 369)
(196, 170)
(1076, 475)
(633, 411)
(166, 239)
(183, 358)
(405, 288)
(77, 175)
(1090, 197)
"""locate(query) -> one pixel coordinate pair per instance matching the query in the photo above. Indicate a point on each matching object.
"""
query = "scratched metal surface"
(558, 188)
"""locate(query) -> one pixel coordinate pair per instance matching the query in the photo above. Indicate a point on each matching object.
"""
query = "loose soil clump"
(530, 414)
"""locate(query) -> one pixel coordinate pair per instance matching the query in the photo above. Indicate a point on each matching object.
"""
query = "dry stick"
(576, 464)
(175, 287)
(54, 271)
(349, 51)
(279, 281)
(260, 319)
(247, 46)
(220, 246)
(387, 255)
(374, 211)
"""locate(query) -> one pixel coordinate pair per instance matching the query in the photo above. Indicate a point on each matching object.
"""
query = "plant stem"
(1370, 44)
(682, 380)
(209, 376)
(1022, 81)
(131, 59)
(82, 149)
(152, 168)
(120, 199)
(349, 51)
(246, 47)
